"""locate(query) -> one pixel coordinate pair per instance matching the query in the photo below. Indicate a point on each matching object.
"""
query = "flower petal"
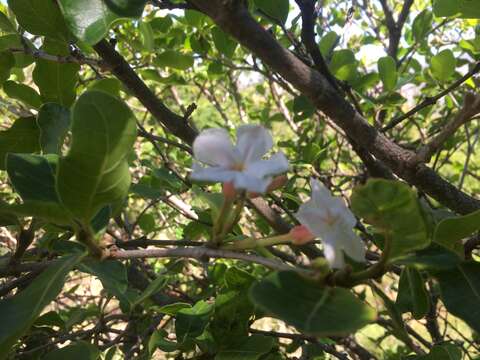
(353, 245)
(320, 194)
(313, 219)
(253, 141)
(334, 255)
(212, 174)
(214, 147)
(244, 181)
(277, 164)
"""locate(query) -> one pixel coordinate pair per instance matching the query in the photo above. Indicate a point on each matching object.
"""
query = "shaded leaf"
(22, 137)
(412, 294)
(315, 310)
(53, 120)
(460, 292)
(449, 232)
(19, 312)
(23, 93)
(393, 209)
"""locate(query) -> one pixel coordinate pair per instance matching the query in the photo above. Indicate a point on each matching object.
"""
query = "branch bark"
(202, 253)
(176, 124)
(234, 18)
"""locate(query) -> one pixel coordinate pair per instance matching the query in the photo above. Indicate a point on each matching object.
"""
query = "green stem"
(234, 219)
(376, 270)
(253, 243)
(86, 237)
(219, 223)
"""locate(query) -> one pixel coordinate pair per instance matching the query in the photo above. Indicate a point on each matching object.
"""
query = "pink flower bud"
(229, 191)
(301, 235)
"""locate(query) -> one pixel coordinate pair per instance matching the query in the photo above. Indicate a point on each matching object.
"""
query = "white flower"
(241, 164)
(328, 218)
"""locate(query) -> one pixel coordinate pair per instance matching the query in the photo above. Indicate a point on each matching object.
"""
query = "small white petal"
(353, 246)
(212, 174)
(277, 164)
(214, 147)
(334, 255)
(320, 194)
(253, 141)
(244, 181)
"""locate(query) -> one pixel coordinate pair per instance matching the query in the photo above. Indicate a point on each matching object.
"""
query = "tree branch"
(235, 19)
(176, 124)
(202, 253)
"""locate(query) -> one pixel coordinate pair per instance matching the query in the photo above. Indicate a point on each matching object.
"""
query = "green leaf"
(157, 340)
(33, 176)
(191, 322)
(127, 8)
(314, 310)
(161, 24)
(442, 352)
(387, 68)
(23, 93)
(148, 38)
(173, 309)
(467, 9)
(223, 42)
(443, 65)
(277, 9)
(174, 59)
(328, 43)
(393, 209)
(194, 18)
(39, 17)
(111, 86)
(422, 25)
(56, 81)
(48, 211)
(80, 350)
(412, 294)
(433, 258)
(112, 274)
(252, 349)
(154, 287)
(451, 231)
(95, 172)
(13, 41)
(88, 20)
(19, 312)
(460, 292)
(22, 137)
(53, 120)
(5, 24)
(344, 65)
(7, 62)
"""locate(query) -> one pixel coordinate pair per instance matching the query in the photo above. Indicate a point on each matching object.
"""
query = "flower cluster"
(243, 167)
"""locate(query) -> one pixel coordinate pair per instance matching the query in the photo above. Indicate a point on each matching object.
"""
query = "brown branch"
(432, 100)
(395, 27)
(235, 19)
(470, 108)
(69, 59)
(174, 123)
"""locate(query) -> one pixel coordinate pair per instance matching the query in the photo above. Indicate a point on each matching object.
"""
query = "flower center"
(238, 167)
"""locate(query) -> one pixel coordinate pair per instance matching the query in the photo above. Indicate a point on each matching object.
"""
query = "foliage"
(129, 230)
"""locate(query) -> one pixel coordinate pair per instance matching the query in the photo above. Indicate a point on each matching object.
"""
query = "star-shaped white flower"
(328, 218)
(241, 164)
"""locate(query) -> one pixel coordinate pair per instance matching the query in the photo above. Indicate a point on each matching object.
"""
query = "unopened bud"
(229, 191)
(301, 235)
